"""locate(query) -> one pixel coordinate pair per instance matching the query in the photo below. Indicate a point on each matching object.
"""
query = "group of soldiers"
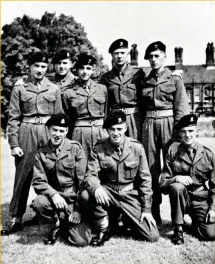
(94, 151)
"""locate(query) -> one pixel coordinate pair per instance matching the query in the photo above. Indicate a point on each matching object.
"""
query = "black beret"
(187, 120)
(37, 56)
(116, 117)
(158, 45)
(61, 55)
(84, 59)
(60, 120)
(118, 44)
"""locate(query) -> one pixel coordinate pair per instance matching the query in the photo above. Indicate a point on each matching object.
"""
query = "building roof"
(193, 73)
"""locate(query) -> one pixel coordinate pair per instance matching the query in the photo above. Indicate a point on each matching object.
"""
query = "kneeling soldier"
(58, 172)
(188, 178)
(118, 179)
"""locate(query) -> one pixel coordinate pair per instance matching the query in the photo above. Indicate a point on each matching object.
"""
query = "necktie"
(121, 76)
(57, 151)
(87, 88)
(38, 85)
(119, 151)
(191, 153)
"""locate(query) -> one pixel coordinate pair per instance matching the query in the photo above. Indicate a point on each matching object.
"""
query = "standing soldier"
(122, 83)
(85, 102)
(62, 65)
(164, 101)
(31, 105)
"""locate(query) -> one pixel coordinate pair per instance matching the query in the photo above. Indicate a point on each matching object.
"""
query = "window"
(197, 94)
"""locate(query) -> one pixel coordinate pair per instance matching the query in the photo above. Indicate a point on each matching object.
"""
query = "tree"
(49, 34)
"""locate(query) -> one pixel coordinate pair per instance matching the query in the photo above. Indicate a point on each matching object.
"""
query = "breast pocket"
(69, 166)
(130, 92)
(107, 170)
(131, 168)
(27, 103)
(203, 171)
(49, 103)
(147, 93)
(168, 91)
(99, 104)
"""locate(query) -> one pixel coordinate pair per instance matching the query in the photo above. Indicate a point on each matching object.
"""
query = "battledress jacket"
(201, 170)
(106, 168)
(61, 174)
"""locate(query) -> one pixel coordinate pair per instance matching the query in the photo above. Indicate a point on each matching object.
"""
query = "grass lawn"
(27, 246)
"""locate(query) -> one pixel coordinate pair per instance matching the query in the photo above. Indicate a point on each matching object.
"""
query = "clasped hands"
(60, 204)
(186, 181)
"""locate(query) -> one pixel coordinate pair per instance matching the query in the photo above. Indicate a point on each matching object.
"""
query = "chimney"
(179, 59)
(209, 55)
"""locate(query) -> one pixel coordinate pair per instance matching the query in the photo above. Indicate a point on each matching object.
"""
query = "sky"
(190, 25)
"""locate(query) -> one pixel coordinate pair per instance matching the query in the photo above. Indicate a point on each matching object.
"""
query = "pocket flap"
(204, 168)
(131, 86)
(100, 99)
(26, 97)
(168, 88)
(131, 163)
(69, 164)
(50, 98)
(146, 91)
(105, 164)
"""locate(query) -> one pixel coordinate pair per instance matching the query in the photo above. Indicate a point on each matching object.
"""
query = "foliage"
(50, 33)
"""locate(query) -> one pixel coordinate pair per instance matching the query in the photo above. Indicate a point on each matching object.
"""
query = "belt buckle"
(92, 122)
(123, 110)
(38, 119)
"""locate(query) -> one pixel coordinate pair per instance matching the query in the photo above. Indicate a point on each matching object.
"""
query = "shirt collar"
(57, 149)
(59, 79)
(122, 70)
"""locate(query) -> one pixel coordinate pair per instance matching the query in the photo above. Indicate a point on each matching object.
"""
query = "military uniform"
(66, 81)
(196, 199)
(123, 94)
(127, 181)
(63, 174)
(87, 110)
(29, 109)
(163, 102)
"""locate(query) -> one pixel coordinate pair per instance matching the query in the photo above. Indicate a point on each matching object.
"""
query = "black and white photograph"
(107, 132)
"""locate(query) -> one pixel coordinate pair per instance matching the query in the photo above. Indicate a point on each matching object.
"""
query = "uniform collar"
(122, 70)
(110, 149)
(68, 78)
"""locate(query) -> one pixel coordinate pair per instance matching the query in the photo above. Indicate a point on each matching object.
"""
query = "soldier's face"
(38, 70)
(156, 59)
(188, 135)
(119, 57)
(85, 72)
(62, 67)
(117, 133)
(57, 134)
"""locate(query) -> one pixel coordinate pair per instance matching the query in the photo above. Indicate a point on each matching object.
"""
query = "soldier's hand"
(17, 151)
(59, 201)
(75, 217)
(101, 196)
(149, 219)
(19, 82)
(210, 217)
(185, 180)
